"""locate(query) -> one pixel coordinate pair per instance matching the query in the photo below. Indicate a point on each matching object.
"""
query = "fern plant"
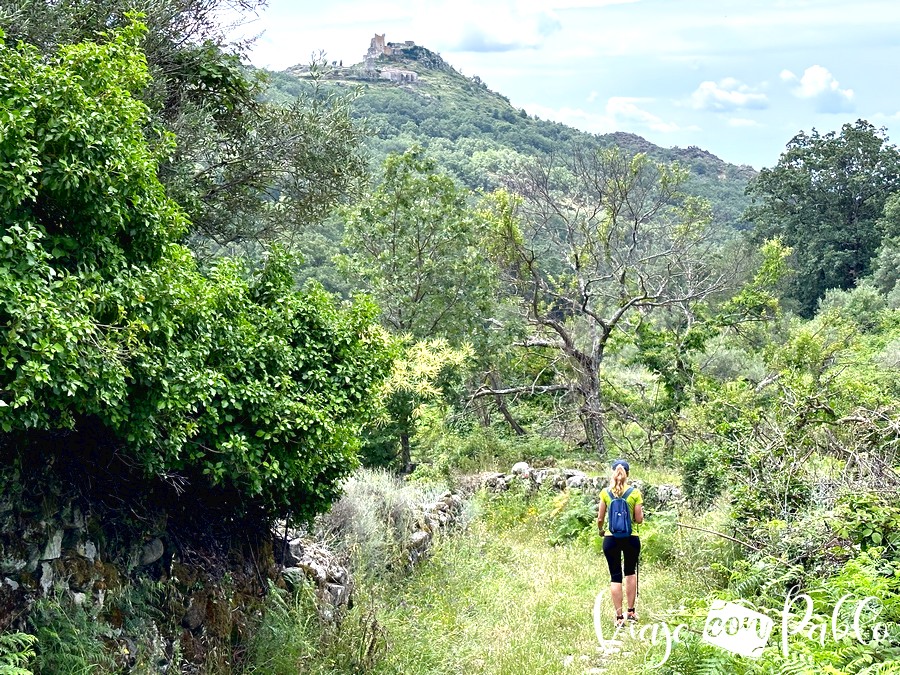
(16, 652)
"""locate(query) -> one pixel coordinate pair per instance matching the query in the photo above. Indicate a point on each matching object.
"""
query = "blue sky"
(736, 78)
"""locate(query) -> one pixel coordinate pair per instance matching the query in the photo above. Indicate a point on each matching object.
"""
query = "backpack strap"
(628, 492)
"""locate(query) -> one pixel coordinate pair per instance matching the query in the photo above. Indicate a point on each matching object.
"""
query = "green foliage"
(825, 198)
(419, 372)
(704, 474)
(417, 247)
(241, 168)
(292, 639)
(475, 448)
(869, 520)
(861, 305)
(574, 514)
(70, 638)
(287, 638)
(476, 135)
(659, 545)
(236, 378)
(16, 653)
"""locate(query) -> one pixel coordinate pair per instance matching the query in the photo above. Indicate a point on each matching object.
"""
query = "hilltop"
(409, 94)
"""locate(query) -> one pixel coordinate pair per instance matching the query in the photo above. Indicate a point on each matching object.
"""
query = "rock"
(521, 469)
(151, 552)
(195, 614)
(87, 550)
(419, 539)
(73, 521)
(668, 495)
(340, 594)
(46, 577)
(12, 565)
(496, 482)
(293, 576)
(12, 584)
(53, 549)
(288, 553)
(576, 482)
(314, 571)
(78, 599)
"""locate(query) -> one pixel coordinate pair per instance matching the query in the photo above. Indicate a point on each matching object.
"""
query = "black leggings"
(614, 548)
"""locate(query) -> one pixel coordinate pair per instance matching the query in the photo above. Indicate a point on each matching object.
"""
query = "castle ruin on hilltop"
(378, 47)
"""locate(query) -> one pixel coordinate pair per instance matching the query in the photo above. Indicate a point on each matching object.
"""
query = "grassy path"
(500, 599)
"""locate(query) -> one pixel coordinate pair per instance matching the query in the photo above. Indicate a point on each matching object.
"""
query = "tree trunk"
(501, 406)
(592, 418)
(405, 456)
(669, 432)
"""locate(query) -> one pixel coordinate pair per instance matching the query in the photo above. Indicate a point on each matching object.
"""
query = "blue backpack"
(619, 514)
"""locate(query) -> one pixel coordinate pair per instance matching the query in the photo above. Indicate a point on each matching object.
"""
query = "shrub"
(573, 514)
(235, 378)
(374, 519)
(860, 305)
(16, 652)
(704, 474)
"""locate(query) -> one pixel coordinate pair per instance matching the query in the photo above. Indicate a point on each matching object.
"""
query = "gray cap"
(622, 463)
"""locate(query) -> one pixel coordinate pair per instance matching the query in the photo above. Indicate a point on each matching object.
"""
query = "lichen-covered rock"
(151, 551)
(521, 469)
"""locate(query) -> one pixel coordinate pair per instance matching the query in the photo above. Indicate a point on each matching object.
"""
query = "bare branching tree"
(592, 246)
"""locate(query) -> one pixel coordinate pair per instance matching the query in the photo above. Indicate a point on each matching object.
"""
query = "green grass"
(499, 599)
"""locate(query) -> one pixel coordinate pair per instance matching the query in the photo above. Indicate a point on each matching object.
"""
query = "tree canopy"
(236, 378)
(824, 198)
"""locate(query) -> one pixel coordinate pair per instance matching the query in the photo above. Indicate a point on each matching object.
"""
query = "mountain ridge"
(408, 94)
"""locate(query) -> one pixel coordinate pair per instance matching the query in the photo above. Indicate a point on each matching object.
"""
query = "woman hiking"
(625, 506)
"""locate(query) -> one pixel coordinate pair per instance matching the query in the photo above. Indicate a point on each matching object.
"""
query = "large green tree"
(244, 169)
(233, 379)
(418, 246)
(824, 199)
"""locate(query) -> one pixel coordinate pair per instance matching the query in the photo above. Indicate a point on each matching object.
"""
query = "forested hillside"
(300, 378)
(475, 133)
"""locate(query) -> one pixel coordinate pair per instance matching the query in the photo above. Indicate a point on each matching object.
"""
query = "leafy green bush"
(860, 305)
(235, 378)
(868, 520)
(71, 639)
(658, 539)
(704, 474)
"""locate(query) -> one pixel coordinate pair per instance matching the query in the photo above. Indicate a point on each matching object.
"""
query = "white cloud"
(475, 26)
(743, 122)
(727, 95)
(621, 113)
(819, 85)
(626, 109)
(592, 97)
